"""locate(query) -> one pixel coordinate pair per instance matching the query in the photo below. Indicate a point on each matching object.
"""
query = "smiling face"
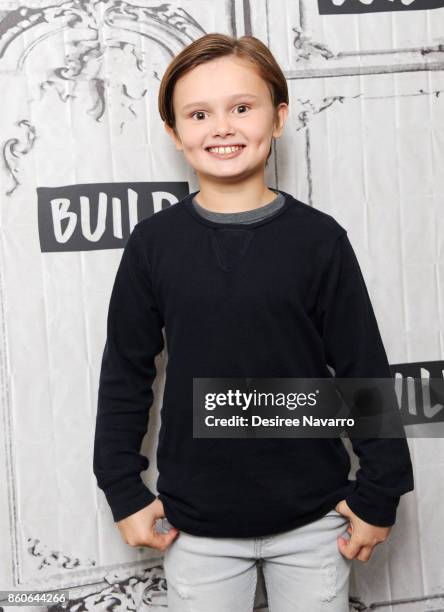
(225, 102)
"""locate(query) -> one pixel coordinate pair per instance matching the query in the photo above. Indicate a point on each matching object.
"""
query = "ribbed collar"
(187, 203)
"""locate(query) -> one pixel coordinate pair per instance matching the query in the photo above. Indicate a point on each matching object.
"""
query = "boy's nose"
(222, 126)
(222, 131)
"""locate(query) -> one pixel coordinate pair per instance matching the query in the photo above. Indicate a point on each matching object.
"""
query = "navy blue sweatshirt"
(280, 297)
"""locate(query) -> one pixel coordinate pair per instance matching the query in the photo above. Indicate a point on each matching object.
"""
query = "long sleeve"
(134, 338)
(353, 347)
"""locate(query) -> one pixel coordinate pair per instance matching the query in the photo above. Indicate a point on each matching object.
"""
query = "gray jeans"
(303, 570)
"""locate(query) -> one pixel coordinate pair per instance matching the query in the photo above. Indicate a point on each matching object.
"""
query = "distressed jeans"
(303, 570)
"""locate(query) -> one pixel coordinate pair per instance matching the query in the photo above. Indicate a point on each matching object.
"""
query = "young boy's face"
(225, 102)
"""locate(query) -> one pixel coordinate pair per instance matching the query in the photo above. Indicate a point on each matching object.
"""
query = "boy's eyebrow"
(231, 98)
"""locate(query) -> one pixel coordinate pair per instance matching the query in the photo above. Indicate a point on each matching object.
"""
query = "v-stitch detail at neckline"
(226, 241)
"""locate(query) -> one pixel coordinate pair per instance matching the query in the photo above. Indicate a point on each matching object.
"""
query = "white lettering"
(370, 2)
(85, 217)
(59, 210)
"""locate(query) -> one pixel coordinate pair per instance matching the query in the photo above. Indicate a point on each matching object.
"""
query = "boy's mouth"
(225, 152)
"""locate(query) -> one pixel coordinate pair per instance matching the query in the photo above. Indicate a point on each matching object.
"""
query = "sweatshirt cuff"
(127, 497)
(380, 513)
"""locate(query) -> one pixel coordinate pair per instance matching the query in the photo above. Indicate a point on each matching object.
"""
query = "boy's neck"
(233, 199)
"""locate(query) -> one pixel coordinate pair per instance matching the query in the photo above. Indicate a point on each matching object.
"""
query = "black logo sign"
(333, 7)
(418, 387)
(99, 215)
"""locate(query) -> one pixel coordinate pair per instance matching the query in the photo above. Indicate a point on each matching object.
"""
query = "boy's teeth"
(223, 149)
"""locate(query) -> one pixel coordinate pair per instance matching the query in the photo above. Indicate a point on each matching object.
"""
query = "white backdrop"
(85, 155)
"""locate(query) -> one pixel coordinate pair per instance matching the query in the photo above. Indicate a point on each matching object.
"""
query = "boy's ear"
(282, 114)
(172, 134)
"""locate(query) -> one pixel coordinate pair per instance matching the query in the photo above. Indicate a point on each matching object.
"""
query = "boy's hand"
(364, 537)
(138, 528)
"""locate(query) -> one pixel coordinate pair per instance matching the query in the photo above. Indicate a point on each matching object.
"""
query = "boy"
(248, 282)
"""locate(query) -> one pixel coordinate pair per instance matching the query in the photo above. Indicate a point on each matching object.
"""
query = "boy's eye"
(197, 113)
(203, 112)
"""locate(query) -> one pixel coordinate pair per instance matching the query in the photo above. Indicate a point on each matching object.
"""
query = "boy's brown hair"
(214, 45)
